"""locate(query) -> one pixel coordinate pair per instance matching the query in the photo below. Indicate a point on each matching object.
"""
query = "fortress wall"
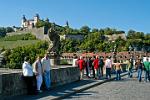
(40, 33)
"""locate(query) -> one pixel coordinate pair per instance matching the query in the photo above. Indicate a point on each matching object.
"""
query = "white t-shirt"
(45, 64)
(27, 69)
(108, 63)
(74, 63)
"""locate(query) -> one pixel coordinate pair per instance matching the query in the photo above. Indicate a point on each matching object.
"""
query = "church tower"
(23, 21)
(36, 19)
(67, 23)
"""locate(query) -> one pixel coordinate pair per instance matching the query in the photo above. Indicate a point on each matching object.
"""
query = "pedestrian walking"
(129, 68)
(38, 73)
(147, 69)
(46, 71)
(108, 66)
(28, 76)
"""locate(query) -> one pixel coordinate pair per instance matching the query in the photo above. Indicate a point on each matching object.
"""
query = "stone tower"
(67, 23)
(23, 21)
(36, 18)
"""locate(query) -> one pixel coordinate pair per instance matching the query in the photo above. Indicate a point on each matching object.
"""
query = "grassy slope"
(13, 44)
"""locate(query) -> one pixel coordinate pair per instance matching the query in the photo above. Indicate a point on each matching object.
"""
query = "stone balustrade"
(11, 82)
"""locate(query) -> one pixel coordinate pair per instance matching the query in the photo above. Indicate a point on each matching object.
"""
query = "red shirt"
(81, 64)
(96, 63)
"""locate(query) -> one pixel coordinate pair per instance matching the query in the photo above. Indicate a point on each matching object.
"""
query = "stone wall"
(115, 36)
(40, 33)
(12, 83)
(72, 36)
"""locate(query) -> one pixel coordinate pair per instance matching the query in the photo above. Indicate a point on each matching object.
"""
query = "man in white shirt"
(46, 71)
(28, 76)
(74, 62)
(108, 66)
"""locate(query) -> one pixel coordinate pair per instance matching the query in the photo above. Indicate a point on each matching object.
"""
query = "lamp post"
(114, 50)
(115, 53)
(130, 52)
(131, 61)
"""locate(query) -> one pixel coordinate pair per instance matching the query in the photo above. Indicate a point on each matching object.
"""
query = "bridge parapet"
(11, 83)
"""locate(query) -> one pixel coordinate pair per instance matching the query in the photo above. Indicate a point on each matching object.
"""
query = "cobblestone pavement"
(126, 89)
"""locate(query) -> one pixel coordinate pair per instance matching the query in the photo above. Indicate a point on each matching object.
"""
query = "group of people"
(96, 65)
(93, 66)
(140, 66)
(37, 73)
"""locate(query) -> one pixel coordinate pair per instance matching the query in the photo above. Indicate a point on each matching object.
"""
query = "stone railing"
(11, 82)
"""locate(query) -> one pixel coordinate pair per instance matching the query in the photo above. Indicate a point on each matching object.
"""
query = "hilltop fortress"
(29, 26)
(29, 23)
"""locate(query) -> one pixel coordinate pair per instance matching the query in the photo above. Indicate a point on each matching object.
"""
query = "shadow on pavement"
(55, 92)
(83, 93)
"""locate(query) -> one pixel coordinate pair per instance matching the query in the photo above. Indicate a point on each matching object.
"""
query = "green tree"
(120, 43)
(131, 34)
(94, 30)
(42, 23)
(85, 29)
(2, 31)
(9, 29)
(69, 45)
(15, 57)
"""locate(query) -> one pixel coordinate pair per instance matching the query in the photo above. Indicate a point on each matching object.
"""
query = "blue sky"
(119, 14)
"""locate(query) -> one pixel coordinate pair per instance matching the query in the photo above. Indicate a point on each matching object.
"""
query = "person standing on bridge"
(108, 66)
(139, 67)
(118, 69)
(74, 61)
(91, 66)
(46, 71)
(96, 67)
(101, 65)
(38, 73)
(28, 76)
(87, 67)
(81, 64)
(147, 69)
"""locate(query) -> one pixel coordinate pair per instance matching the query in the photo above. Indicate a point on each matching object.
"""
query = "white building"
(29, 23)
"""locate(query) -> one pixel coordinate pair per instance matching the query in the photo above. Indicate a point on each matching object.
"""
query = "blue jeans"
(47, 79)
(130, 72)
(118, 72)
(140, 75)
(147, 75)
(108, 73)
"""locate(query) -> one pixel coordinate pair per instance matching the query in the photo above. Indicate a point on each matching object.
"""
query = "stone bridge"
(89, 89)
